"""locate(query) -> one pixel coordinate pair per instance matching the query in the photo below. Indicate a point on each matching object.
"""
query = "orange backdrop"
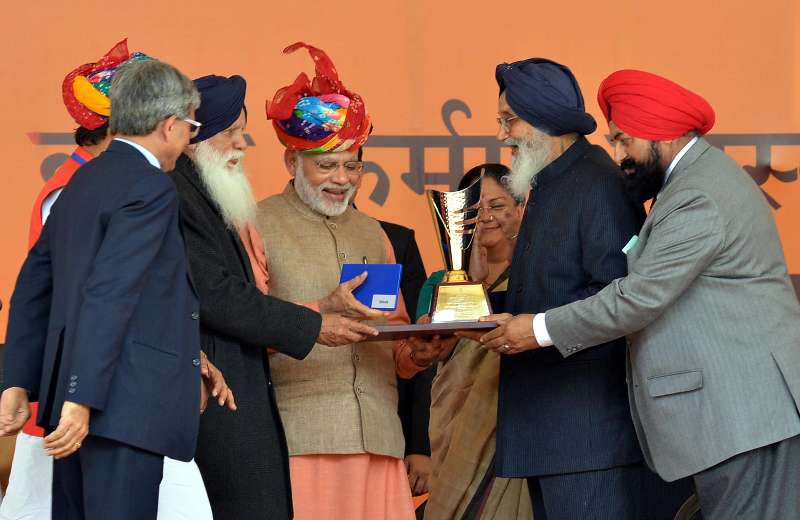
(410, 59)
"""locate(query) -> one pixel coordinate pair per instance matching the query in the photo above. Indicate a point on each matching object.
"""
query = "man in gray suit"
(712, 320)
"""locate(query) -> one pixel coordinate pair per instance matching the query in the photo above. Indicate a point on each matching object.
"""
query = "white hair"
(228, 186)
(533, 154)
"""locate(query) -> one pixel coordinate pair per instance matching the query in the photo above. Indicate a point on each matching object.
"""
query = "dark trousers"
(107, 480)
(627, 492)
(759, 484)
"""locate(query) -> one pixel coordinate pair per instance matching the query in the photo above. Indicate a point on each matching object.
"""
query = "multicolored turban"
(650, 107)
(318, 116)
(85, 89)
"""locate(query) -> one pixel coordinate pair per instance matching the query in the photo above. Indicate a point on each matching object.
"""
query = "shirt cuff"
(540, 331)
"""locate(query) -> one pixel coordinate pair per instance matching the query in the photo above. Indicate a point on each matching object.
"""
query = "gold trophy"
(457, 299)
(457, 302)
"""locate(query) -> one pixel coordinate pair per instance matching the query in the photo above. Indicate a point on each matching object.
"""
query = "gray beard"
(313, 196)
(228, 187)
(531, 158)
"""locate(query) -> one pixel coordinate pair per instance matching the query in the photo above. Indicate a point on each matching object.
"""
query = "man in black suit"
(565, 424)
(243, 456)
(103, 329)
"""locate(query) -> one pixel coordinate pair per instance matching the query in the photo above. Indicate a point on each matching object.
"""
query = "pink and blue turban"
(319, 116)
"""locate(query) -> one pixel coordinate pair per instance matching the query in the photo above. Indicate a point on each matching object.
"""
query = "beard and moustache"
(314, 197)
(533, 154)
(228, 186)
(644, 180)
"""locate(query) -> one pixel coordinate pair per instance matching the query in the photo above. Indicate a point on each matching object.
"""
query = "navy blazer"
(559, 415)
(103, 312)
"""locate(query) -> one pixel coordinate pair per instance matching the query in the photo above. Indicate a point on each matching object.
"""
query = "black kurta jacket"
(242, 455)
(557, 415)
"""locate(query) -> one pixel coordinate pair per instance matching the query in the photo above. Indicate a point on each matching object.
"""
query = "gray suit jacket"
(712, 320)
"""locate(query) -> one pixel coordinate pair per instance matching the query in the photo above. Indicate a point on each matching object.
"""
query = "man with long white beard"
(339, 407)
(565, 425)
(242, 455)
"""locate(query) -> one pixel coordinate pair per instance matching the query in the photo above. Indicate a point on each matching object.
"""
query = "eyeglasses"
(504, 122)
(195, 126)
(350, 167)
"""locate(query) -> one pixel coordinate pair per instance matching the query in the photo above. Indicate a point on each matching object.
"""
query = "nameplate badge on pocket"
(631, 244)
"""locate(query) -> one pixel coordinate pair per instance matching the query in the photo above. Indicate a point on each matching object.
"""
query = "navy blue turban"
(221, 103)
(546, 95)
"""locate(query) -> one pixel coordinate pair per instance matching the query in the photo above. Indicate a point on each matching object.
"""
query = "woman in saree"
(463, 484)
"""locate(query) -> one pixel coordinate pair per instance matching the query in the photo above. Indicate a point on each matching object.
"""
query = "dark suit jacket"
(242, 455)
(104, 314)
(559, 415)
(414, 405)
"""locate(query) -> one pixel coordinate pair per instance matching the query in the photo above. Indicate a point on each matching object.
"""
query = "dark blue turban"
(221, 103)
(546, 95)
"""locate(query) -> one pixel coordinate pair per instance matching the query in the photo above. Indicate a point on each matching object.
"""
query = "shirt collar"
(152, 159)
(679, 156)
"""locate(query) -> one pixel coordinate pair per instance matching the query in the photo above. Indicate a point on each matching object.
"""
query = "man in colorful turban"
(581, 443)
(712, 319)
(339, 407)
(245, 476)
(85, 94)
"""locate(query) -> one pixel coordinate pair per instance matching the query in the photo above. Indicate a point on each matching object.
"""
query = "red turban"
(318, 116)
(650, 107)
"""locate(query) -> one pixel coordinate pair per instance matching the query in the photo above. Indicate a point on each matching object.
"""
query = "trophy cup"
(457, 302)
(457, 299)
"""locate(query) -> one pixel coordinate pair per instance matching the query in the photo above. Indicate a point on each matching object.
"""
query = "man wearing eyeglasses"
(565, 425)
(102, 326)
(29, 493)
(339, 407)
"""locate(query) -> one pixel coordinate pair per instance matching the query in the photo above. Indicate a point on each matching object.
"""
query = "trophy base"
(393, 332)
(459, 302)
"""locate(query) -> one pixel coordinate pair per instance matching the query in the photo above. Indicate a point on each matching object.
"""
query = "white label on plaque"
(443, 316)
(383, 301)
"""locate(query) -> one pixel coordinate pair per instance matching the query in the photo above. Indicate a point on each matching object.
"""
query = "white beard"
(532, 156)
(315, 199)
(229, 187)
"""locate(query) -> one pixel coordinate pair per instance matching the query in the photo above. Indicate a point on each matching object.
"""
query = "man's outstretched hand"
(337, 331)
(514, 334)
(341, 301)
